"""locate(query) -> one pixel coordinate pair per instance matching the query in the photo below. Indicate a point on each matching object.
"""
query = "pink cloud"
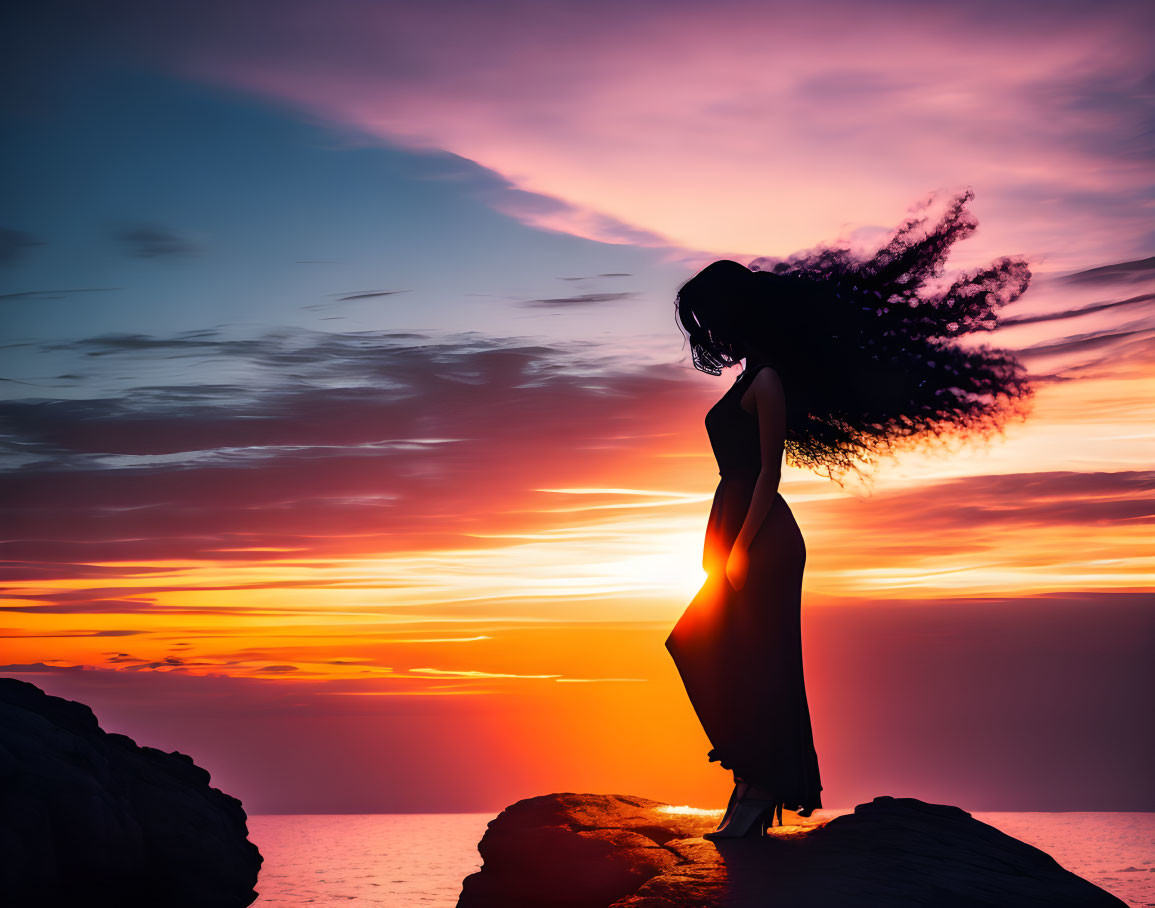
(735, 126)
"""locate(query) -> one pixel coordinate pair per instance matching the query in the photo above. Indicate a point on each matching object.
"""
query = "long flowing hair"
(864, 348)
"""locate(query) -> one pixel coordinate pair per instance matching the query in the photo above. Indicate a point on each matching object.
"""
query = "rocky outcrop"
(88, 818)
(614, 851)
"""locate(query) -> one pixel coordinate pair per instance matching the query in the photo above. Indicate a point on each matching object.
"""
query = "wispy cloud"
(15, 243)
(583, 299)
(41, 295)
(1120, 272)
(105, 633)
(157, 241)
(595, 276)
(1142, 301)
(368, 294)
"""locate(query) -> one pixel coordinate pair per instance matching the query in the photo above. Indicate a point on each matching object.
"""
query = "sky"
(350, 446)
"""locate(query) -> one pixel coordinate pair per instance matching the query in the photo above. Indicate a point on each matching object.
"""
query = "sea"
(401, 860)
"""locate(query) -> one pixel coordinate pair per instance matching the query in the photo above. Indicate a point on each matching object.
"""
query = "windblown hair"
(863, 348)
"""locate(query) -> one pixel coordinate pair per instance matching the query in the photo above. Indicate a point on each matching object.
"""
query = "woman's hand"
(738, 566)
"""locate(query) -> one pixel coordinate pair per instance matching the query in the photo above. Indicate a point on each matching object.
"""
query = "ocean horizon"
(400, 859)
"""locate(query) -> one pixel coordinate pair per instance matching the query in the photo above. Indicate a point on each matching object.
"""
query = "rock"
(571, 850)
(90, 819)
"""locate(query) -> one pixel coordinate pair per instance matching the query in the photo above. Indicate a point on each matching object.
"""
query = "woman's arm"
(770, 401)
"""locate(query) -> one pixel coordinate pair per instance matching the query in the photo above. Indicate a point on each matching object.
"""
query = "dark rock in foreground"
(90, 819)
(614, 851)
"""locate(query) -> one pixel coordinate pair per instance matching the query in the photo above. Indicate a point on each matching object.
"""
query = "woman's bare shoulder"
(766, 376)
(766, 387)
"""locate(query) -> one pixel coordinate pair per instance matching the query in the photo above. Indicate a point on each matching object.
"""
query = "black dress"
(739, 652)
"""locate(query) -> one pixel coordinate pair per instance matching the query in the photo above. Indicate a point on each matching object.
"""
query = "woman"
(843, 358)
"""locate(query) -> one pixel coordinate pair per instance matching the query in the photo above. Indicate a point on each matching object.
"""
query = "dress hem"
(804, 805)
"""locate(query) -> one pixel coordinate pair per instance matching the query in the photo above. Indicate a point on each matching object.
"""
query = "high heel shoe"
(747, 819)
(736, 795)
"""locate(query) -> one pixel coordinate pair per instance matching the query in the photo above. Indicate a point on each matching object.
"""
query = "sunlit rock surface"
(90, 819)
(617, 851)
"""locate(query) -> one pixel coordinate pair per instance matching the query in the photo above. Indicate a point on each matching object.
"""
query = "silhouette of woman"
(843, 358)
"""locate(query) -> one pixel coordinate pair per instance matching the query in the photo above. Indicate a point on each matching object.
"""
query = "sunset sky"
(350, 445)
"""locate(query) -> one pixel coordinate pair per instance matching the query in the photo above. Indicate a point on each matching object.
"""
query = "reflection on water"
(1115, 851)
(390, 859)
(421, 859)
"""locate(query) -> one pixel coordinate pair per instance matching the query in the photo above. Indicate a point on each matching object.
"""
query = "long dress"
(739, 652)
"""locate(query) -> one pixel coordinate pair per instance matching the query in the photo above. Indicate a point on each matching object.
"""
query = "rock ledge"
(88, 818)
(568, 850)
